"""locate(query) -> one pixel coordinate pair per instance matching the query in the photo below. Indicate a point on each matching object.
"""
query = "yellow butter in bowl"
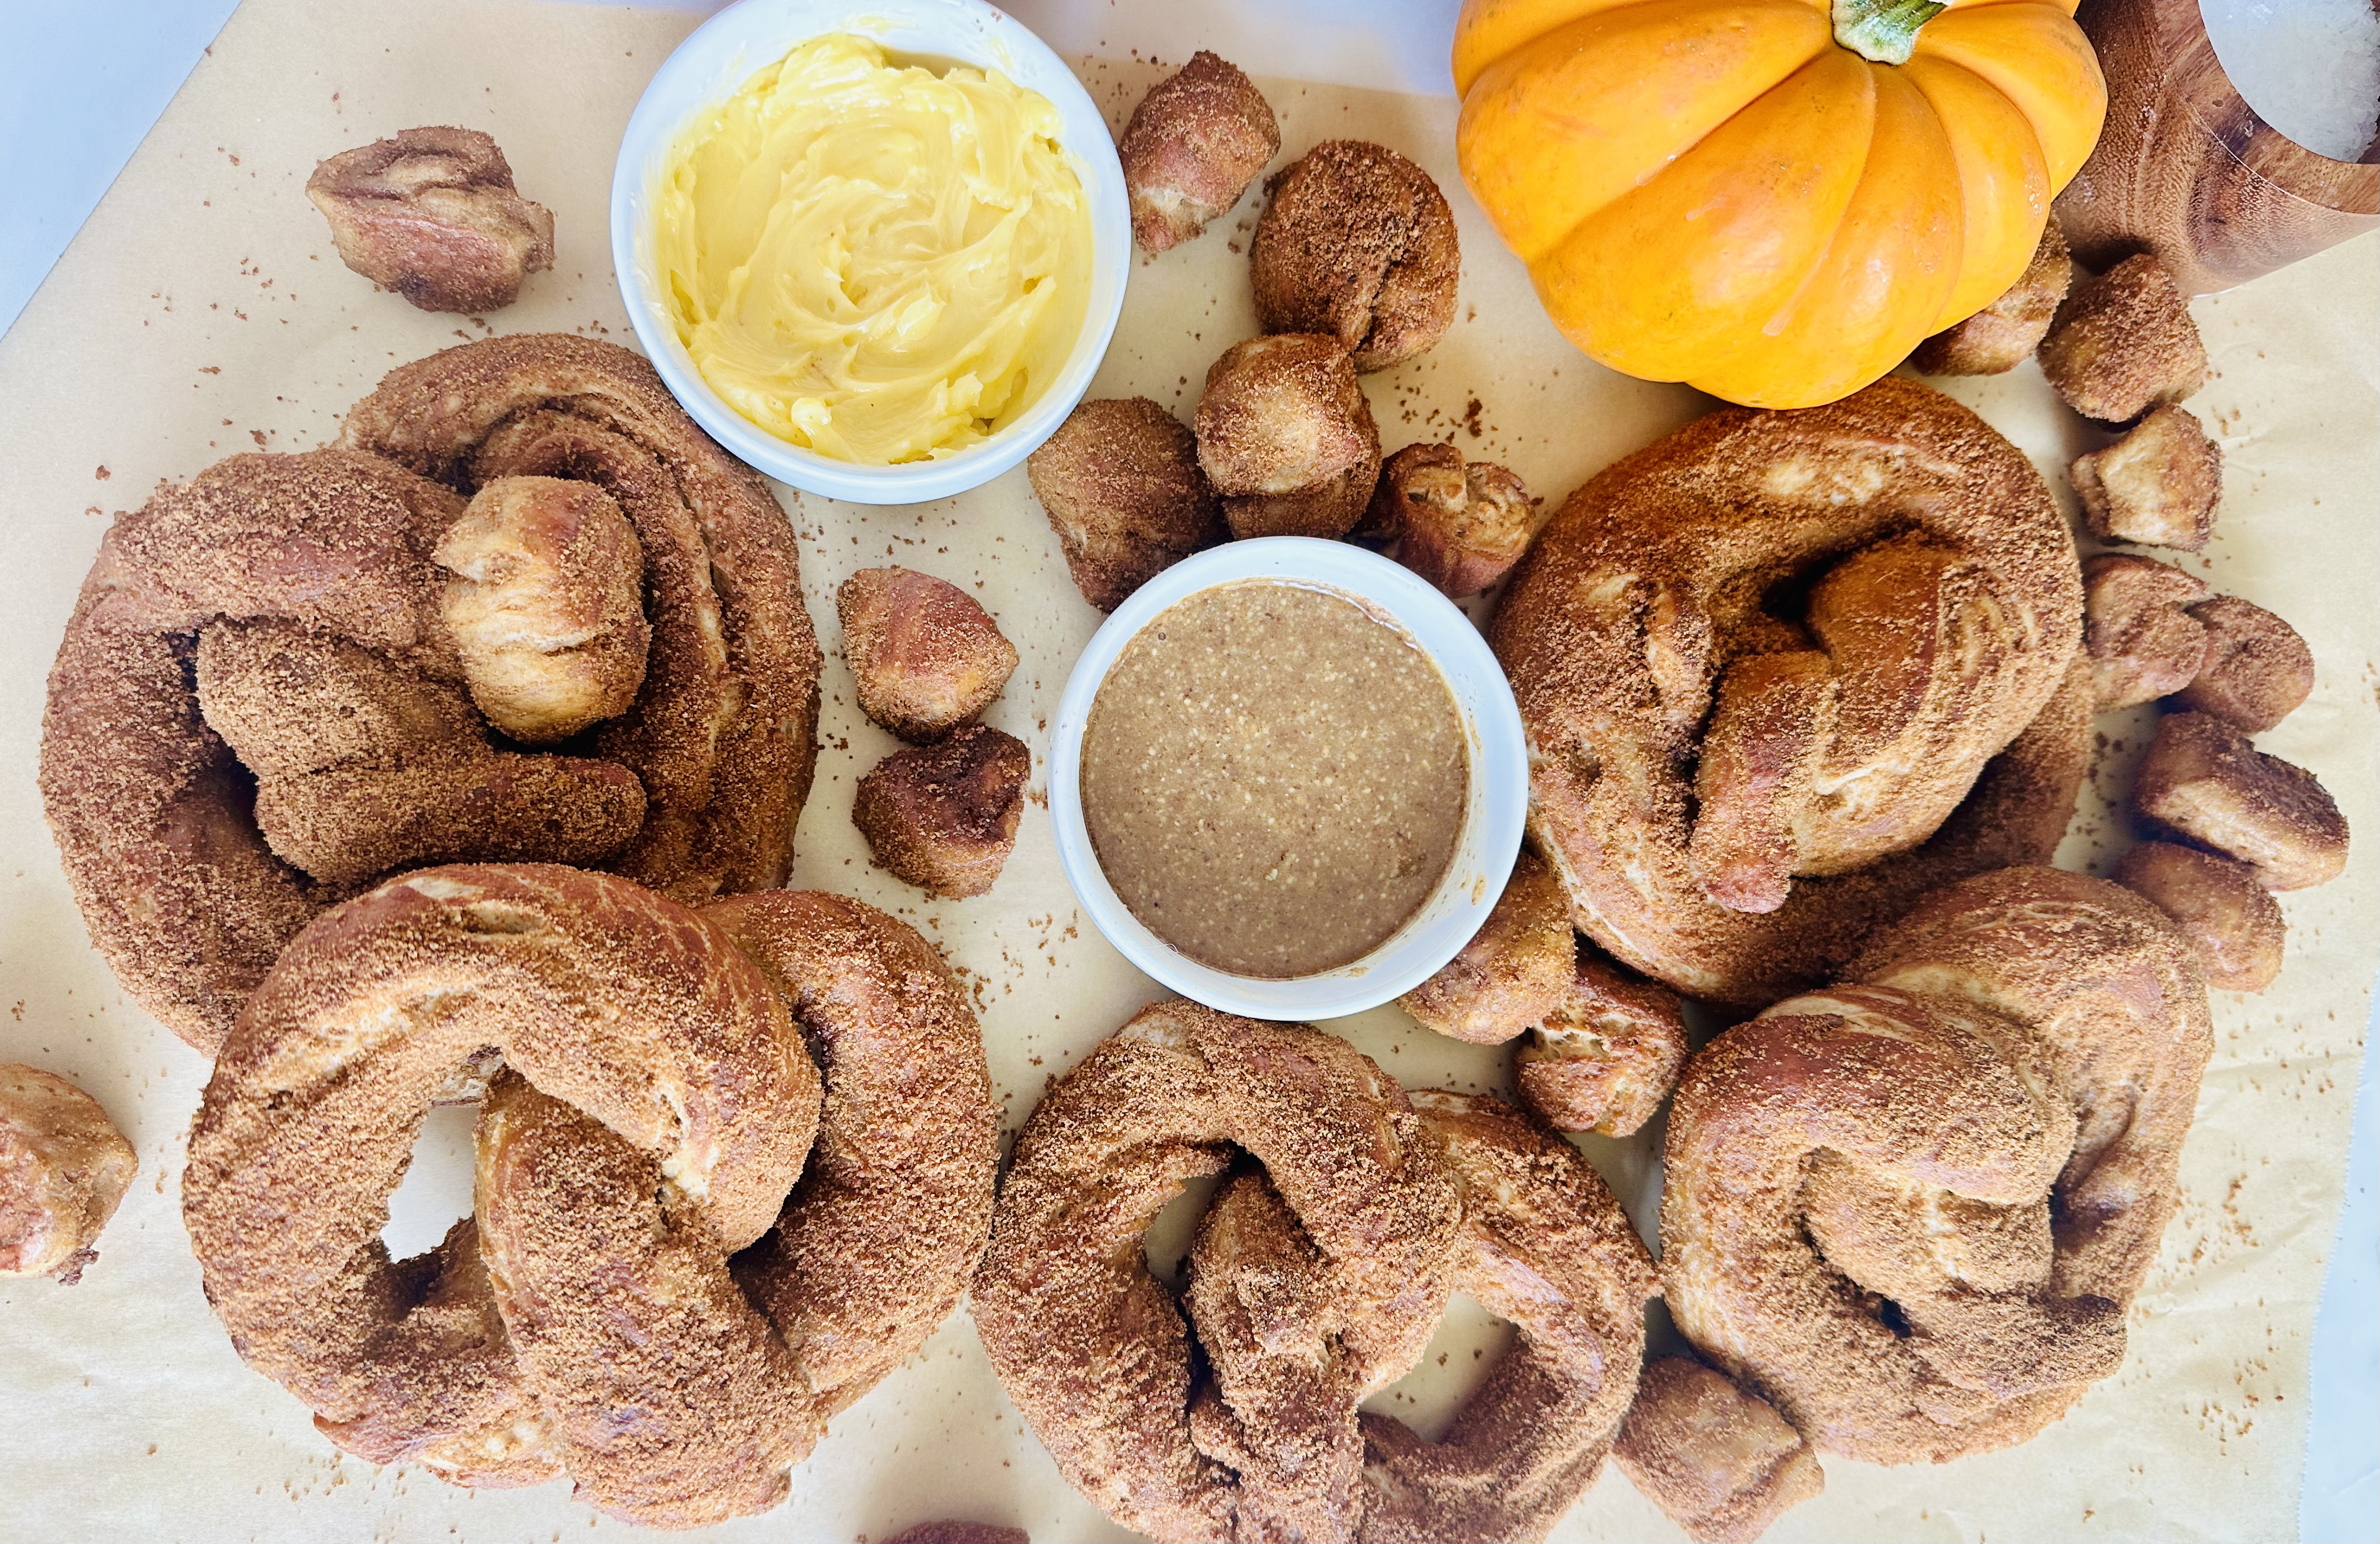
(876, 262)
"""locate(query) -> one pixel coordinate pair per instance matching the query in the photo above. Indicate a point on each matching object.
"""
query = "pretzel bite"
(2158, 485)
(2228, 917)
(546, 606)
(63, 1168)
(953, 1530)
(2000, 336)
(2123, 342)
(1194, 143)
(1121, 485)
(2205, 780)
(1710, 1453)
(943, 817)
(1461, 526)
(2257, 669)
(1515, 970)
(1358, 244)
(925, 655)
(431, 214)
(1286, 437)
(2143, 644)
(1607, 1056)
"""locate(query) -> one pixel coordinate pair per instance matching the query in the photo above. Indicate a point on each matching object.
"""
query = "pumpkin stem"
(1883, 30)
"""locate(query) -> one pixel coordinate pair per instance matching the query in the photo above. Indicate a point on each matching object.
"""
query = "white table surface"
(81, 81)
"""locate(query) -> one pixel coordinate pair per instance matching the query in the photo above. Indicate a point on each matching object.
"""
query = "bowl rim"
(725, 51)
(1495, 803)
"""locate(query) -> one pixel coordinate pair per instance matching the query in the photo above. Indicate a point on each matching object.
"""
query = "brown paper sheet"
(202, 311)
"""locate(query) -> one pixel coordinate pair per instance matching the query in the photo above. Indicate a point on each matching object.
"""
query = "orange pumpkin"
(1772, 199)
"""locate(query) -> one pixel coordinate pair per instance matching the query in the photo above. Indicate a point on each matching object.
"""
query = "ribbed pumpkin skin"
(1716, 191)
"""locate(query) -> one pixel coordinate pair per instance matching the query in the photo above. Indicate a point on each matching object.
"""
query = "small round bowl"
(725, 52)
(1493, 812)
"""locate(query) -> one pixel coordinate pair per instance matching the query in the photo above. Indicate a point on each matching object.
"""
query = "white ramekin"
(1492, 816)
(720, 57)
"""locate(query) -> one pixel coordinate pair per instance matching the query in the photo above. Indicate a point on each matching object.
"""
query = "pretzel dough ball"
(1607, 1055)
(925, 656)
(943, 817)
(1714, 1455)
(2123, 342)
(2228, 917)
(2143, 644)
(1515, 970)
(1121, 485)
(63, 1168)
(1359, 244)
(1461, 526)
(2203, 779)
(546, 606)
(432, 214)
(2258, 670)
(1286, 437)
(2004, 334)
(2158, 485)
(1193, 144)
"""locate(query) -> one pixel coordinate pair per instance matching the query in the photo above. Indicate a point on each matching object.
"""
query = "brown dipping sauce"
(1274, 778)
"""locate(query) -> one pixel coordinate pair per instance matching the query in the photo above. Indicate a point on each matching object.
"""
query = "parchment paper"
(202, 311)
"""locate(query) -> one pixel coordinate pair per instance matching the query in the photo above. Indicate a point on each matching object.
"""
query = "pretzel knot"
(1913, 1209)
(1783, 671)
(525, 610)
(1312, 1285)
(645, 1298)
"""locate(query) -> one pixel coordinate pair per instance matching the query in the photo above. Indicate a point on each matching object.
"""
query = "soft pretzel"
(1093, 1349)
(1784, 672)
(1912, 1209)
(63, 1168)
(653, 1111)
(265, 696)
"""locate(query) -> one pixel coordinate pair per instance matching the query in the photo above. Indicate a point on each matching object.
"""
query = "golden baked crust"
(2142, 640)
(431, 214)
(1515, 970)
(63, 1168)
(943, 817)
(2218, 904)
(653, 1111)
(259, 704)
(1459, 525)
(2202, 778)
(1196, 141)
(924, 653)
(1943, 606)
(1913, 1209)
(2004, 334)
(1714, 1455)
(1287, 438)
(1088, 1344)
(2158, 484)
(1121, 485)
(2123, 342)
(1358, 244)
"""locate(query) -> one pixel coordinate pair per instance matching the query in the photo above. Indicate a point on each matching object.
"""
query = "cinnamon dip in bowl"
(1288, 779)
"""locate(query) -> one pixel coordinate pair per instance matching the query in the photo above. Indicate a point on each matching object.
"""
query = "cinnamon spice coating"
(2256, 672)
(1605, 1059)
(2217, 903)
(943, 817)
(1356, 244)
(654, 1109)
(924, 654)
(262, 700)
(2158, 485)
(2143, 642)
(2004, 334)
(2202, 778)
(1461, 526)
(432, 214)
(1092, 1349)
(1196, 141)
(64, 1167)
(1285, 435)
(1911, 1210)
(1889, 552)
(1714, 1455)
(950, 1530)
(2123, 342)
(1121, 485)
(1515, 970)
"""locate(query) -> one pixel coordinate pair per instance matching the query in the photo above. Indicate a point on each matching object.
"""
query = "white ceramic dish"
(721, 56)
(1493, 813)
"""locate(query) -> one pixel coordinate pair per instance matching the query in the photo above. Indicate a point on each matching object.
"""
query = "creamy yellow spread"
(876, 262)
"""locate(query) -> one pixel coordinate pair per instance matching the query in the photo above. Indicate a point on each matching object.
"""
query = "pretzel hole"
(1166, 1244)
(1464, 1349)
(436, 1190)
